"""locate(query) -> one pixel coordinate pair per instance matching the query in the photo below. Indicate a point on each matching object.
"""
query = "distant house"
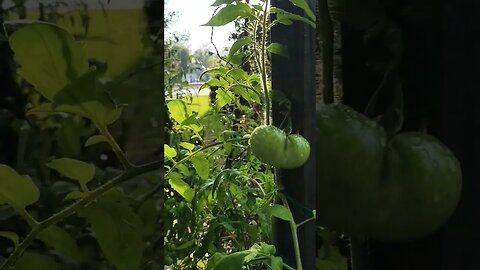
(193, 76)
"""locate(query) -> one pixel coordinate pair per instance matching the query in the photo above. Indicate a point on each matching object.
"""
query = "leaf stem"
(159, 186)
(73, 208)
(293, 229)
(263, 68)
(116, 148)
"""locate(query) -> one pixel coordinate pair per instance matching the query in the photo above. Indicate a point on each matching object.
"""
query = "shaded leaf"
(95, 139)
(18, 191)
(62, 241)
(11, 236)
(277, 48)
(118, 231)
(280, 211)
(35, 261)
(201, 165)
(74, 169)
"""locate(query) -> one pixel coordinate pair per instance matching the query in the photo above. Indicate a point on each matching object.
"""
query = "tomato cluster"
(273, 146)
(390, 189)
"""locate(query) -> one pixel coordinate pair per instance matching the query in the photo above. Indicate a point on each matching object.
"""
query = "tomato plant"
(65, 202)
(222, 192)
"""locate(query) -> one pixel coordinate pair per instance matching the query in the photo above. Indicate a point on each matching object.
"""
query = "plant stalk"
(73, 208)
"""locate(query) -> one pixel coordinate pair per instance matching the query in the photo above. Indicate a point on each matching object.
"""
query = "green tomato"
(396, 189)
(274, 147)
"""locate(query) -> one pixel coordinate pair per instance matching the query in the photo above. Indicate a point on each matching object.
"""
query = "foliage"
(221, 199)
(79, 213)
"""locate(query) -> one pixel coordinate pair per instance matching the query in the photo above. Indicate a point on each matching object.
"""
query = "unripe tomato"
(395, 189)
(274, 147)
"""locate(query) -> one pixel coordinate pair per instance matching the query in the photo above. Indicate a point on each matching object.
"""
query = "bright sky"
(192, 14)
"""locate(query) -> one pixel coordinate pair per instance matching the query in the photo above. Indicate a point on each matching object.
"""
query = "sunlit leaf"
(169, 152)
(178, 110)
(237, 45)
(229, 13)
(303, 5)
(201, 165)
(176, 182)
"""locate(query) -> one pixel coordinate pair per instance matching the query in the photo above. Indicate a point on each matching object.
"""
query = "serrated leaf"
(277, 48)
(169, 152)
(96, 139)
(118, 231)
(11, 236)
(181, 187)
(224, 98)
(304, 5)
(201, 165)
(178, 110)
(56, 65)
(280, 211)
(62, 241)
(237, 45)
(15, 190)
(187, 145)
(35, 261)
(49, 57)
(229, 13)
(74, 169)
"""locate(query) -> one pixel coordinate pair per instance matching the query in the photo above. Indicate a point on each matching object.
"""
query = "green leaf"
(148, 214)
(62, 241)
(280, 211)
(118, 231)
(201, 165)
(74, 195)
(95, 139)
(303, 5)
(178, 110)
(220, 2)
(229, 13)
(233, 261)
(188, 146)
(35, 261)
(169, 152)
(237, 45)
(277, 263)
(52, 61)
(224, 98)
(11, 236)
(49, 57)
(181, 187)
(15, 190)
(74, 169)
(286, 18)
(278, 48)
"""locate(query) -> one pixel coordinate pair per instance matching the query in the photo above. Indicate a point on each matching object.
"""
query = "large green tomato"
(395, 189)
(272, 146)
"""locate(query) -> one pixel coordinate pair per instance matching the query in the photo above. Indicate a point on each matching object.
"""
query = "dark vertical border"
(295, 78)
